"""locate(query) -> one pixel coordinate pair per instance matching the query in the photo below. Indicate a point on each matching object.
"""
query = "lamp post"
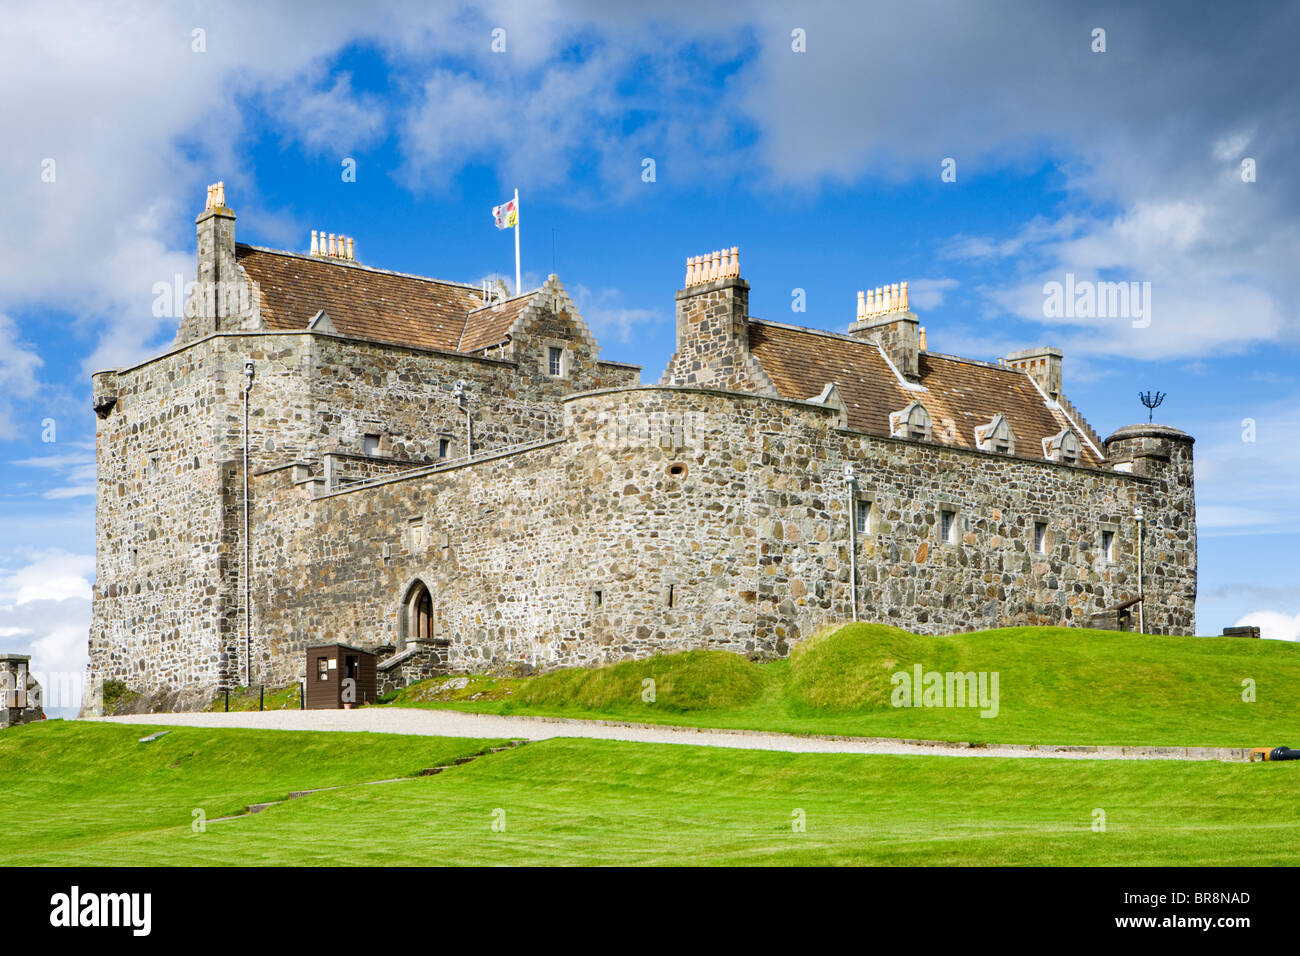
(1140, 518)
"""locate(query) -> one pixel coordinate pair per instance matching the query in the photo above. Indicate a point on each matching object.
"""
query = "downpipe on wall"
(248, 606)
(850, 483)
(1141, 533)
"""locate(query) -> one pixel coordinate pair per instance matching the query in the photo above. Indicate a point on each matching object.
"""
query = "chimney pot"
(350, 247)
(903, 304)
(735, 260)
(862, 304)
(315, 244)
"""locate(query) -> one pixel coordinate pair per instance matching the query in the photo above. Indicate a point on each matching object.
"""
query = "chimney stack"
(713, 328)
(885, 318)
(1043, 365)
(329, 245)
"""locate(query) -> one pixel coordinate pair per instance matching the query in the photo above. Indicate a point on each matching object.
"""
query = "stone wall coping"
(1146, 430)
(829, 410)
(716, 285)
(264, 333)
(421, 471)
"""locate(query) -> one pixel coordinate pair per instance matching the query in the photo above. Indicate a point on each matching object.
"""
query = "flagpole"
(518, 288)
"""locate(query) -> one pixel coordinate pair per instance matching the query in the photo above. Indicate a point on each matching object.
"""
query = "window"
(322, 668)
(669, 594)
(862, 516)
(1040, 536)
(1063, 447)
(912, 422)
(370, 445)
(597, 598)
(555, 361)
(153, 464)
(948, 526)
(1107, 545)
(996, 436)
(444, 446)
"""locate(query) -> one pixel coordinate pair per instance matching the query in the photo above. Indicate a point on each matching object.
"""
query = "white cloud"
(45, 611)
(52, 576)
(18, 365)
(1273, 625)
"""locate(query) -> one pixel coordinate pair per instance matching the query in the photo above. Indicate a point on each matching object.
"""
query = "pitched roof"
(361, 301)
(491, 324)
(959, 394)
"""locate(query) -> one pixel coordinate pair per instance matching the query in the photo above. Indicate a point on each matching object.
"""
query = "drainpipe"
(248, 607)
(850, 482)
(463, 403)
(1142, 604)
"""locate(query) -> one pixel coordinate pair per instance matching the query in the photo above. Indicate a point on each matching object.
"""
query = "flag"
(507, 214)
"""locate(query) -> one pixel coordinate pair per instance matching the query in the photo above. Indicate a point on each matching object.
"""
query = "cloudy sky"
(977, 150)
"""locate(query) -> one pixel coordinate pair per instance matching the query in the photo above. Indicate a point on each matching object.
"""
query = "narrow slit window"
(1040, 537)
(669, 595)
(948, 525)
(1108, 545)
(862, 517)
(444, 446)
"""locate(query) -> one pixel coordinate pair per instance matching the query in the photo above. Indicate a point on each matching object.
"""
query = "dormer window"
(912, 422)
(996, 436)
(1062, 447)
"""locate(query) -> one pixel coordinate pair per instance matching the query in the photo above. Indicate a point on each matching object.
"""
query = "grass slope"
(70, 788)
(1056, 686)
(96, 800)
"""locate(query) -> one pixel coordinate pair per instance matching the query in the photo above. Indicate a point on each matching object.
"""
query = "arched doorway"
(417, 623)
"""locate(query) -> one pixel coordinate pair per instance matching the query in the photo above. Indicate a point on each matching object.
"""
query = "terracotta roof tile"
(959, 395)
(362, 302)
(490, 325)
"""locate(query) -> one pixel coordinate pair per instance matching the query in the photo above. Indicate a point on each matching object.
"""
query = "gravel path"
(450, 723)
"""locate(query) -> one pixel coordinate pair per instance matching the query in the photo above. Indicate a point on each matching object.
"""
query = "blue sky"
(823, 165)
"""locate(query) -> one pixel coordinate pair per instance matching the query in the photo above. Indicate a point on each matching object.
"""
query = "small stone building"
(20, 693)
(457, 480)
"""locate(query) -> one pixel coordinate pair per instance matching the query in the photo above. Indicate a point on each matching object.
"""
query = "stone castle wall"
(668, 519)
(168, 604)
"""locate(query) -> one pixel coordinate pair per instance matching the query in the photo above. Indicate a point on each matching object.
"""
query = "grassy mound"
(677, 683)
(1055, 686)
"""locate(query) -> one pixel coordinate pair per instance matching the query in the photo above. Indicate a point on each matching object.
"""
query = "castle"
(455, 478)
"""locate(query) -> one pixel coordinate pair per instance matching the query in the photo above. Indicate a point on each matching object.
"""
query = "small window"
(555, 361)
(322, 668)
(862, 516)
(948, 526)
(1107, 545)
(597, 598)
(669, 594)
(1040, 537)
(153, 464)
(444, 446)
(370, 445)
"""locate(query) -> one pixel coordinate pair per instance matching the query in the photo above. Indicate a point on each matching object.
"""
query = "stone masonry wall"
(168, 604)
(670, 518)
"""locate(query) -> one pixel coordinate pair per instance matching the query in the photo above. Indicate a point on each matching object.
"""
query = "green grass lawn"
(73, 788)
(88, 794)
(1056, 686)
